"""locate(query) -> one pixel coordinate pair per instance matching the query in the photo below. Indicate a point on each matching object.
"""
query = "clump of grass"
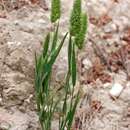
(44, 97)
(47, 98)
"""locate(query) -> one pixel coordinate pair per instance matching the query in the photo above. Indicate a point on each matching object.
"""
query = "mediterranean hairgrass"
(46, 97)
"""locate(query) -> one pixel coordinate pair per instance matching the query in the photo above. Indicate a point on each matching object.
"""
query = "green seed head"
(80, 37)
(55, 10)
(75, 18)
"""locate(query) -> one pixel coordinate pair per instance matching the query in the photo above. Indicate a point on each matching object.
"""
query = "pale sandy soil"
(21, 34)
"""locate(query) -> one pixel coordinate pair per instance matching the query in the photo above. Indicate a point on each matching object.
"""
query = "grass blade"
(46, 45)
(69, 53)
(55, 37)
(54, 55)
(73, 66)
(71, 113)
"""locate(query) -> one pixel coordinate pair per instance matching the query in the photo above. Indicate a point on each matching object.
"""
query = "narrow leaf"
(46, 45)
(71, 113)
(55, 37)
(69, 53)
(54, 55)
(73, 66)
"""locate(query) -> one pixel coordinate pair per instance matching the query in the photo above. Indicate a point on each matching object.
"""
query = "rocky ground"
(104, 61)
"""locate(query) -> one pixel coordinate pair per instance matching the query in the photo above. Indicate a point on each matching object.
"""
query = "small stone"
(16, 22)
(60, 76)
(41, 21)
(1, 102)
(106, 85)
(125, 96)
(22, 109)
(128, 113)
(111, 27)
(116, 90)
(4, 126)
(87, 63)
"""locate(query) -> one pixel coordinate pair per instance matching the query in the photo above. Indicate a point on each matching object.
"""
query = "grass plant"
(46, 97)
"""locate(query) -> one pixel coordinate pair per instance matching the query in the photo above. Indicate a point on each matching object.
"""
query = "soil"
(104, 61)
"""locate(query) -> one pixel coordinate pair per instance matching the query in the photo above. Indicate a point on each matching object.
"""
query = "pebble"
(1, 102)
(87, 63)
(4, 126)
(116, 90)
(60, 76)
(111, 27)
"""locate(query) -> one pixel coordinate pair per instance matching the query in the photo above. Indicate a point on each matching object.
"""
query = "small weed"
(47, 99)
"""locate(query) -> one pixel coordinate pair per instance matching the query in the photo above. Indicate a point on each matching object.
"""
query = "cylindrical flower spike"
(75, 18)
(55, 10)
(80, 37)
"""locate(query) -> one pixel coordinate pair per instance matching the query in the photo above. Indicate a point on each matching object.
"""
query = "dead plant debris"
(9, 5)
(101, 21)
(97, 72)
(96, 105)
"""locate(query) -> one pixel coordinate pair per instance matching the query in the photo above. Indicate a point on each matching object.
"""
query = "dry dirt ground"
(104, 61)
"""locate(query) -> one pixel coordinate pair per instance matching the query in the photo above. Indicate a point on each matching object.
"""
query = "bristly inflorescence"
(55, 10)
(78, 24)
(80, 37)
(75, 18)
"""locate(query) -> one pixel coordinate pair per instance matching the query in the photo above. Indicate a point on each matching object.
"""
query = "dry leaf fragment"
(96, 105)
(116, 1)
(3, 14)
(126, 36)
(93, 20)
(104, 19)
(34, 1)
(107, 36)
(41, 3)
